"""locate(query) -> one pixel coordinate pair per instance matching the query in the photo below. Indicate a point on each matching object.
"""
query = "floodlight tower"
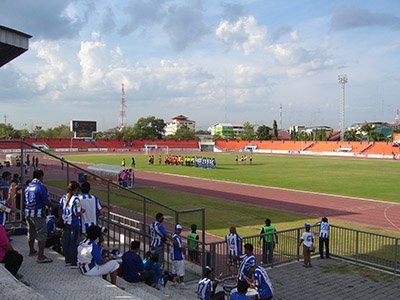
(342, 82)
(122, 112)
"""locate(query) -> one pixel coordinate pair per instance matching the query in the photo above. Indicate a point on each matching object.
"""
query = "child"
(308, 240)
(147, 259)
(193, 246)
(154, 266)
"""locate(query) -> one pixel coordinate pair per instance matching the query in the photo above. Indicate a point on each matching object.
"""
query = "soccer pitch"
(372, 179)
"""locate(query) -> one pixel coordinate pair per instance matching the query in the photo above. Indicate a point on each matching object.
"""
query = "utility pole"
(342, 83)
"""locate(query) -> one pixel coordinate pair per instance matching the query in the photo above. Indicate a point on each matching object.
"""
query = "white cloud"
(244, 34)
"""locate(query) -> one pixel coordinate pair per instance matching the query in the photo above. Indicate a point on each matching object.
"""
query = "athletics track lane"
(379, 214)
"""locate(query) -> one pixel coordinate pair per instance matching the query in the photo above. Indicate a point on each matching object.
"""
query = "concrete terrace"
(328, 279)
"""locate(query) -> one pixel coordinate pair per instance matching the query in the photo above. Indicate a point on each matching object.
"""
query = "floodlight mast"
(342, 82)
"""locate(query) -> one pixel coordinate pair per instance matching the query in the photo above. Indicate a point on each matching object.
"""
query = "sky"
(212, 61)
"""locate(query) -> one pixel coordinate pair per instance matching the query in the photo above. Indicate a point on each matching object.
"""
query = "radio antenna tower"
(397, 119)
(342, 82)
(280, 116)
(122, 112)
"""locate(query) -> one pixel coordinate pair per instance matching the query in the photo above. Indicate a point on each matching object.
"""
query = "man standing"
(36, 199)
(158, 235)
(178, 263)
(91, 205)
(234, 249)
(308, 240)
(269, 239)
(323, 237)
(248, 261)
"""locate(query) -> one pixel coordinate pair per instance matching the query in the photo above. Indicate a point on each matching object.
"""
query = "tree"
(7, 131)
(248, 132)
(62, 131)
(149, 128)
(262, 133)
(184, 133)
(275, 126)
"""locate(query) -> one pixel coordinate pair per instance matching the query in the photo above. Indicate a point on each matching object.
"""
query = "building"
(179, 122)
(12, 44)
(224, 130)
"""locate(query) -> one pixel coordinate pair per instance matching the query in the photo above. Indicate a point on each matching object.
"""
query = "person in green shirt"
(269, 239)
(193, 246)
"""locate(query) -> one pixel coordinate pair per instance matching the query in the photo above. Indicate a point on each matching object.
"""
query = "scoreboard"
(83, 128)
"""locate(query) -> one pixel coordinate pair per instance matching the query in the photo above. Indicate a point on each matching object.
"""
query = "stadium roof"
(12, 44)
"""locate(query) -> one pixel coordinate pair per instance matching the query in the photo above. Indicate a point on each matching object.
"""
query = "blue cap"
(178, 227)
(307, 225)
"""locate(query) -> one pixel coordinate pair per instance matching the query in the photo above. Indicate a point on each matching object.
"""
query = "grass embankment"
(372, 179)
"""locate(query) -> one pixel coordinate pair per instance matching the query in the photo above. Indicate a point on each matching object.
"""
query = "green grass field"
(372, 179)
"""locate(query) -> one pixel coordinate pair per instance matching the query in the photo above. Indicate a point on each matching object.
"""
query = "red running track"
(378, 214)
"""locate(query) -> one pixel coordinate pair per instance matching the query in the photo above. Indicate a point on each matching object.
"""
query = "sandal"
(44, 260)
(33, 253)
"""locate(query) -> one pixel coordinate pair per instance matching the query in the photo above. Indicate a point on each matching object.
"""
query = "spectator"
(158, 235)
(269, 239)
(133, 268)
(248, 261)
(92, 206)
(323, 237)
(234, 249)
(307, 240)
(70, 208)
(7, 196)
(36, 199)
(147, 259)
(193, 246)
(91, 262)
(178, 263)
(258, 278)
(53, 235)
(11, 259)
(154, 266)
(206, 287)
(240, 294)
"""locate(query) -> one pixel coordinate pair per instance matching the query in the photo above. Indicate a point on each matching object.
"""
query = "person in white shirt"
(323, 237)
(92, 206)
(308, 242)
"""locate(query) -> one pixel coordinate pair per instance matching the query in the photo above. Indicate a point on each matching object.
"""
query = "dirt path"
(384, 215)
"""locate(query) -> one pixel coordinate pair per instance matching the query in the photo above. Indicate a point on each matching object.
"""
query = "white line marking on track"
(387, 218)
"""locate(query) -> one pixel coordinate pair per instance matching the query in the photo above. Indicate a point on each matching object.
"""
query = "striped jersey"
(176, 251)
(157, 233)
(69, 210)
(91, 205)
(4, 185)
(4, 210)
(262, 282)
(324, 230)
(36, 198)
(204, 288)
(248, 261)
(234, 244)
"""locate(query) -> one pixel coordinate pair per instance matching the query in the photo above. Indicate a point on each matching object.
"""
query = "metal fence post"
(396, 256)
(176, 218)
(298, 243)
(67, 173)
(108, 214)
(144, 222)
(203, 235)
(357, 246)
(22, 162)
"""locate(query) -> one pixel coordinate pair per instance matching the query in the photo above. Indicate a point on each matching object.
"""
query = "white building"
(179, 122)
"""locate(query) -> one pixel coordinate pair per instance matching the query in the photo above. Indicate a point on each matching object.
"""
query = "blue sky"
(213, 61)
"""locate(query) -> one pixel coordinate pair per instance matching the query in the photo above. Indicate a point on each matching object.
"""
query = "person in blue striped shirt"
(234, 249)
(71, 212)
(248, 261)
(323, 237)
(36, 200)
(259, 279)
(206, 287)
(92, 206)
(158, 236)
